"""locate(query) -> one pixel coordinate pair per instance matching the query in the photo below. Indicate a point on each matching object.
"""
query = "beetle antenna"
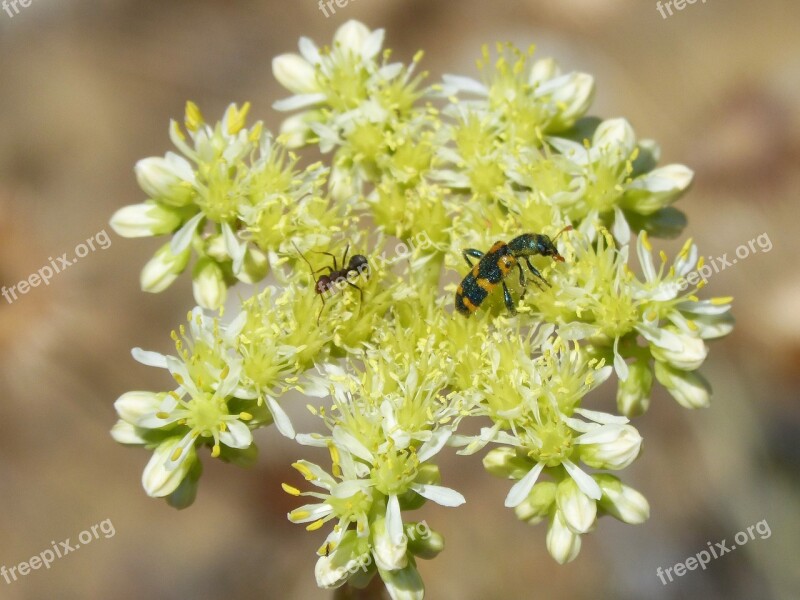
(567, 228)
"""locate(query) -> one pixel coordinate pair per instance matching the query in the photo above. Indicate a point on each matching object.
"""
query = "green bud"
(538, 505)
(633, 394)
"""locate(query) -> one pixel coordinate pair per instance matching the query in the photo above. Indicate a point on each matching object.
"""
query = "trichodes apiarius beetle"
(495, 265)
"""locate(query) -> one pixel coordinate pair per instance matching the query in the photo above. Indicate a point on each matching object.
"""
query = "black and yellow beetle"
(495, 265)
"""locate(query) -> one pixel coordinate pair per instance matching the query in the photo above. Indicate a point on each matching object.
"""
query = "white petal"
(157, 479)
(178, 367)
(183, 237)
(615, 133)
(394, 520)
(299, 101)
(576, 330)
(465, 84)
(520, 490)
(126, 433)
(280, 417)
(352, 36)
(295, 74)
(621, 229)
(234, 247)
(646, 257)
(372, 45)
(663, 338)
(602, 417)
(433, 445)
(149, 358)
(443, 496)
(315, 511)
(309, 50)
(585, 482)
(349, 442)
(132, 406)
(238, 435)
(620, 366)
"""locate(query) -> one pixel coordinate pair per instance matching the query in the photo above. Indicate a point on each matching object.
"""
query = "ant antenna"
(305, 259)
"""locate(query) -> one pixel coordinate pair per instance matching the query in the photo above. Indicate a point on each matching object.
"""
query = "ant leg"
(321, 308)
(344, 258)
(335, 266)
(537, 274)
(360, 296)
(473, 253)
(507, 299)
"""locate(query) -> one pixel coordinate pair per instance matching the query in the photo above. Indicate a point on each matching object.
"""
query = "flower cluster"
(356, 315)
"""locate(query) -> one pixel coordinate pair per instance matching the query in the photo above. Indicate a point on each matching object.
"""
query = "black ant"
(336, 278)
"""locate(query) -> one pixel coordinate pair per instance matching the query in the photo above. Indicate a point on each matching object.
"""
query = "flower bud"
(422, 541)
(562, 543)
(254, 267)
(144, 220)
(538, 504)
(166, 179)
(633, 394)
(504, 462)
(157, 480)
(573, 97)
(295, 73)
(688, 358)
(208, 284)
(132, 406)
(615, 454)
(689, 388)
(577, 509)
(164, 268)
(657, 189)
(621, 501)
(214, 247)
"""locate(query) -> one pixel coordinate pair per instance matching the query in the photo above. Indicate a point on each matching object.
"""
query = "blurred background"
(87, 89)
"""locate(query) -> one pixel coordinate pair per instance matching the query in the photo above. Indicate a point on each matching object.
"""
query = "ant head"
(358, 262)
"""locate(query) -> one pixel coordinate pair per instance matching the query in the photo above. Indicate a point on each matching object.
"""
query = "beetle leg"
(508, 300)
(537, 274)
(473, 253)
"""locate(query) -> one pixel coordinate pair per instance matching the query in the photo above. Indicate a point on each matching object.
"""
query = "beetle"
(495, 265)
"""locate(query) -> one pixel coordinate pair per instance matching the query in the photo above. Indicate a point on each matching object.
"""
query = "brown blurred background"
(87, 88)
